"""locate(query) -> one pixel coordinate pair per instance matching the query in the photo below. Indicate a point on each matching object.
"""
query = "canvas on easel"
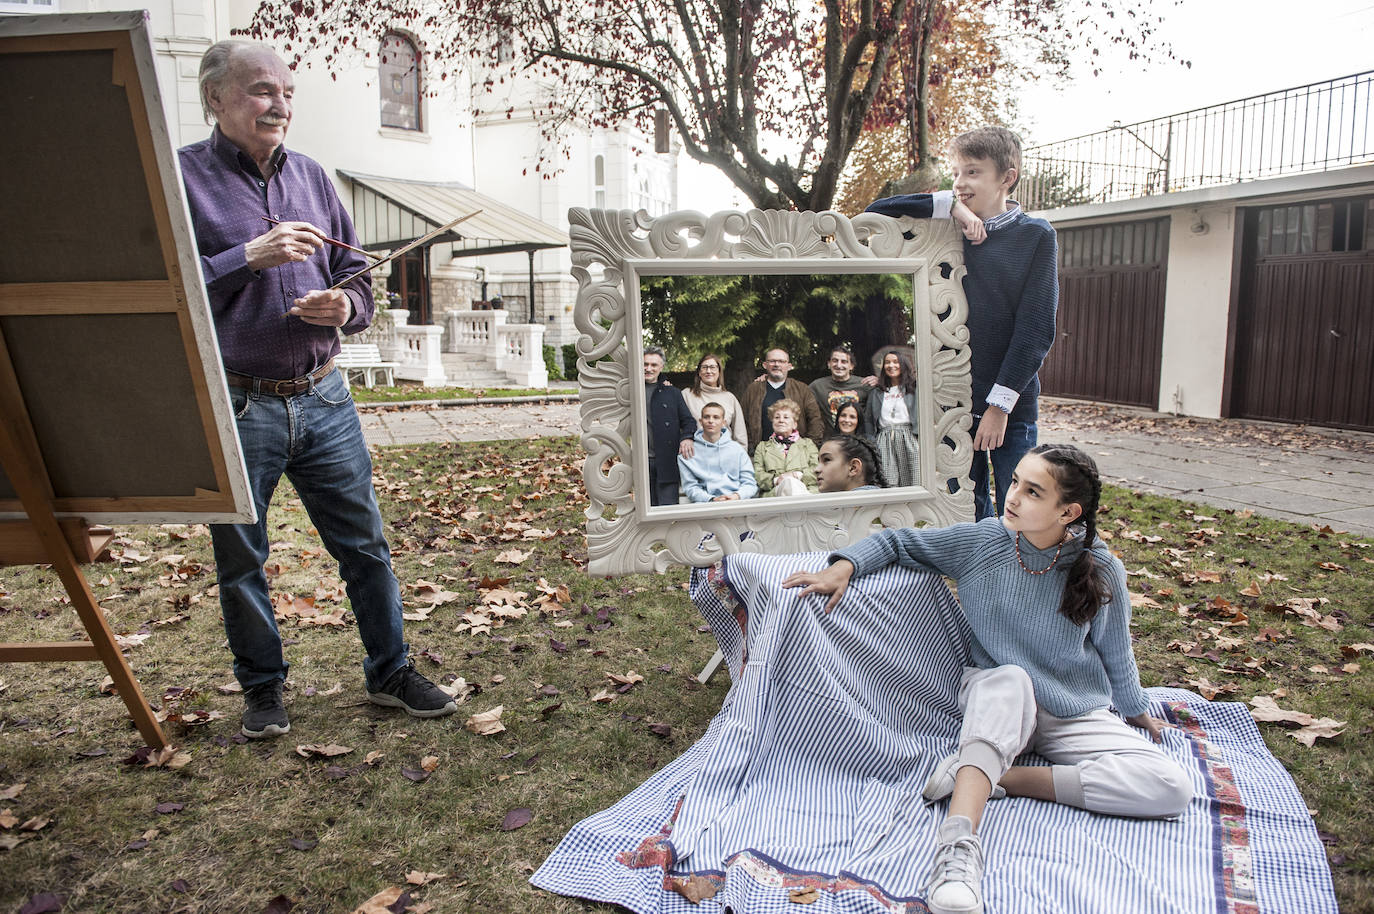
(113, 404)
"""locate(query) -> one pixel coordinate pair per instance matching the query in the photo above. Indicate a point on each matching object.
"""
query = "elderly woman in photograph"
(785, 461)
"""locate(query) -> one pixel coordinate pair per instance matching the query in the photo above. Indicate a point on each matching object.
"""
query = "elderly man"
(671, 428)
(278, 320)
(775, 385)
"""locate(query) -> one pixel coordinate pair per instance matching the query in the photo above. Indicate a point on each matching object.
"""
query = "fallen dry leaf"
(487, 723)
(382, 903)
(512, 557)
(604, 695)
(694, 888)
(12, 791)
(803, 896)
(630, 678)
(516, 818)
(8, 819)
(35, 823)
(1264, 708)
(309, 750)
(429, 762)
(419, 877)
(1321, 728)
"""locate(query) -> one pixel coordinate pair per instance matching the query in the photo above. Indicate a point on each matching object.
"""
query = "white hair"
(215, 66)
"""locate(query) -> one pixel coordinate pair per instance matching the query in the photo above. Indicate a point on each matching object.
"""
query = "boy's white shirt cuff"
(943, 203)
(1004, 398)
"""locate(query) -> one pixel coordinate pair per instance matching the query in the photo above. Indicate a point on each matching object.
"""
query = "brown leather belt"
(276, 388)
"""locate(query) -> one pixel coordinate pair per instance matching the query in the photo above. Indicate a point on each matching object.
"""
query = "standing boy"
(840, 387)
(1012, 286)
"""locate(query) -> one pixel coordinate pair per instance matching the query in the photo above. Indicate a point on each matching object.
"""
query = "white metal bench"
(365, 360)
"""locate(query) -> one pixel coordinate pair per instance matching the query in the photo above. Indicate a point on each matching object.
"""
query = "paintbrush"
(336, 243)
(399, 251)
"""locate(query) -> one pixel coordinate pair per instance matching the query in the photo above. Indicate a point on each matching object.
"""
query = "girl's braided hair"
(855, 448)
(1076, 475)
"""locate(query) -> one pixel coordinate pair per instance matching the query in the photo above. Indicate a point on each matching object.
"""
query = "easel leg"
(83, 600)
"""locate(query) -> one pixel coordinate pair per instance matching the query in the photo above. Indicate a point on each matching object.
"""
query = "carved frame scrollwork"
(611, 249)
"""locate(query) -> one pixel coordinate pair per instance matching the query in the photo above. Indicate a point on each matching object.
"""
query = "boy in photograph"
(720, 468)
(1012, 286)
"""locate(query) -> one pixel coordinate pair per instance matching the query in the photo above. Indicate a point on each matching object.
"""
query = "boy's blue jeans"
(316, 441)
(1019, 438)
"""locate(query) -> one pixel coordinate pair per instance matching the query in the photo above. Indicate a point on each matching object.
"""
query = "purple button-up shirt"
(228, 197)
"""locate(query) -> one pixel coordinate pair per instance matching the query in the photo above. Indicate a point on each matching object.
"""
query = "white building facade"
(346, 117)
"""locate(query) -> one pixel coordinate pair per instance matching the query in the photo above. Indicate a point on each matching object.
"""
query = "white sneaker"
(955, 883)
(941, 781)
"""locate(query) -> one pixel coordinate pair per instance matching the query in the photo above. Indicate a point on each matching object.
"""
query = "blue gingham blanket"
(807, 783)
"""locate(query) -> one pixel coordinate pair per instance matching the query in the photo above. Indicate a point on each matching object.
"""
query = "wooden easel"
(66, 545)
(113, 406)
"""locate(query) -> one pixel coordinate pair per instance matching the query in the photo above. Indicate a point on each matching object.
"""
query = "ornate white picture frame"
(613, 249)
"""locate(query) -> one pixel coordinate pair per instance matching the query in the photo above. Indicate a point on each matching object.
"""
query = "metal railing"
(1309, 128)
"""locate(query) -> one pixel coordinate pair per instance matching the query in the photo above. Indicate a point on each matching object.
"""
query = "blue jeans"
(1019, 438)
(316, 440)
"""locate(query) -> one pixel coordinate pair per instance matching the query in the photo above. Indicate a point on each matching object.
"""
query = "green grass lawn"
(1222, 610)
(408, 392)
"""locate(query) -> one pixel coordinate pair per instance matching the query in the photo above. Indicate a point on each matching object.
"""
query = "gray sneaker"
(955, 883)
(410, 691)
(264, 714)
(941, 781)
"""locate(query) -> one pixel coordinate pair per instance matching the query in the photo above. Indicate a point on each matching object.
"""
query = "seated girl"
(1050, 615)
(719, 469)
(785, 462)
(848, 464)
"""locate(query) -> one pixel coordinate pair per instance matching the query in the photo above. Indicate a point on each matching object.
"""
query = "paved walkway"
(1317, 476)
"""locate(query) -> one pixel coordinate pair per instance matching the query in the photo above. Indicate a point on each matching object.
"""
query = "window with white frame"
(599, 181)
(28, 7)
(399, 82)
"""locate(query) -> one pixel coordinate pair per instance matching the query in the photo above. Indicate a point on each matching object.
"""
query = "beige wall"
(1197, 300)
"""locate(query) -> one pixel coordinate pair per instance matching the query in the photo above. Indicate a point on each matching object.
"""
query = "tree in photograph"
(774, 94)
(738, 316)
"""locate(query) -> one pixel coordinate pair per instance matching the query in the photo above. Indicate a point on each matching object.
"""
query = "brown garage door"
(1111, 313)
(1304, 331)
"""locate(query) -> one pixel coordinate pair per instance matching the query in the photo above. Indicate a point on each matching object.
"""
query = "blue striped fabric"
(810, 778)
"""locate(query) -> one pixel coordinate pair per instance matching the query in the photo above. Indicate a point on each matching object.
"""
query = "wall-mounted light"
(1199, 225)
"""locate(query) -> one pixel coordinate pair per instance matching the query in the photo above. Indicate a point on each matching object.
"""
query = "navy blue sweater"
(1012, 287)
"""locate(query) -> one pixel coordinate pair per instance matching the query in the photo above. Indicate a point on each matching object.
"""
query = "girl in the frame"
(847, 463)
(1051, 651)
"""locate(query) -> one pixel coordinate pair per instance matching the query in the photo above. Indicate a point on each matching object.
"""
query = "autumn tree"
(972, 79)
(774, 94)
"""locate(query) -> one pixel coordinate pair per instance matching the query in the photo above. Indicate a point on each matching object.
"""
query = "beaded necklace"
(1054, 561)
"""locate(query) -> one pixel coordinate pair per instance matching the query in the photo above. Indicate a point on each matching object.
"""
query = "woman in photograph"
(708, 386)
(890, 419)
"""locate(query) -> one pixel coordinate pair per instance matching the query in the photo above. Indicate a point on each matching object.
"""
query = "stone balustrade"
(416, 349)
(516, 350)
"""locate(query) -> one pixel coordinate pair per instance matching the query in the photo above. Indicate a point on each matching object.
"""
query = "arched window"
(399, 82)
